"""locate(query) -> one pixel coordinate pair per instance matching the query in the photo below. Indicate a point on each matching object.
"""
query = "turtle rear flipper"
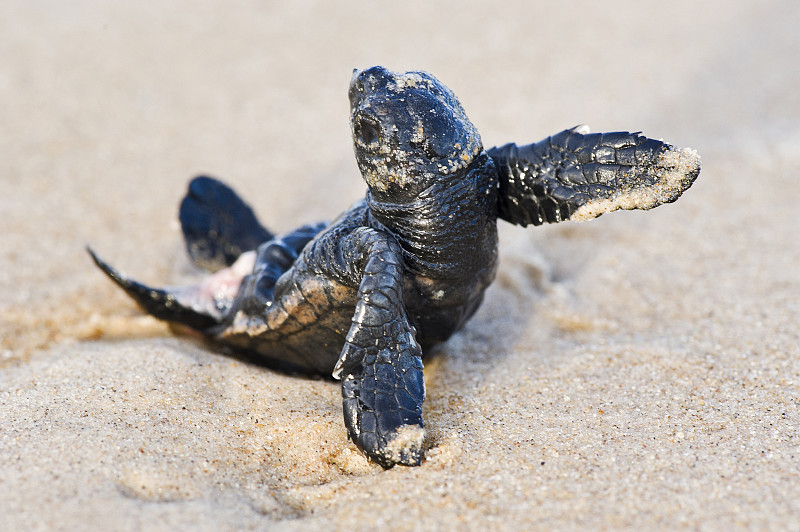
(217, 224)
(200, 307)
(577, 175)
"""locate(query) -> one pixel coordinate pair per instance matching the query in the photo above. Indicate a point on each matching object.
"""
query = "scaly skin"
(405, 267)
(551, 180)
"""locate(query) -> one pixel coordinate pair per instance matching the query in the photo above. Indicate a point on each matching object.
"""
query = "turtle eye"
(367, 132)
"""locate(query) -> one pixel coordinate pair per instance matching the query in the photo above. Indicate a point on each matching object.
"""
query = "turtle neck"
(449, 231)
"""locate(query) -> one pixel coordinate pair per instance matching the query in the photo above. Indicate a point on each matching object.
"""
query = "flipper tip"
(106, 268)
(674, 172)
(160, 303)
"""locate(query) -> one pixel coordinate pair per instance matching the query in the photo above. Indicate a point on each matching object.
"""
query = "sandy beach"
(640, 371)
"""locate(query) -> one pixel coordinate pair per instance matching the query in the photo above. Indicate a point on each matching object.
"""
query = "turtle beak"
(356, 72)
(370, 80)
(356, 87)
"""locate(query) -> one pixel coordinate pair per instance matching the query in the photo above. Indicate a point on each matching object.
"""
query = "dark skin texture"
(405, 267)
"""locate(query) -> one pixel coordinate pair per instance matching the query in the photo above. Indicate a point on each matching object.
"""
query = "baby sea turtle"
(361, 298)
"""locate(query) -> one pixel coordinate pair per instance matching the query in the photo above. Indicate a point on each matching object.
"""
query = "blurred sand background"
(641, 371)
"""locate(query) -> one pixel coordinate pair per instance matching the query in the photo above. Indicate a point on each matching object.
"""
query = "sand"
(638, 371)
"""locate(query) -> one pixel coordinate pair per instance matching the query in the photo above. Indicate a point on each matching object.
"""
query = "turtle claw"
(160, 303)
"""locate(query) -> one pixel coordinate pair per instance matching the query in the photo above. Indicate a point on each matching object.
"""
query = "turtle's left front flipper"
(575, 175)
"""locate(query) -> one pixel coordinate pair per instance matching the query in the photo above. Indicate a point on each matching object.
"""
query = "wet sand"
(639, 371)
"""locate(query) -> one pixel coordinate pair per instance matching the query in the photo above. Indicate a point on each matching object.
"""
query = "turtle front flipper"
(217, 224)
(381, 365)
(200, 307)
(575, 175)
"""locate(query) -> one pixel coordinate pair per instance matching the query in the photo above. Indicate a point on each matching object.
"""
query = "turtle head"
(409, 131)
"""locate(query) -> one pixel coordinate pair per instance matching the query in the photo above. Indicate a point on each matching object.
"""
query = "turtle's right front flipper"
(575, 175)
(381, 365)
